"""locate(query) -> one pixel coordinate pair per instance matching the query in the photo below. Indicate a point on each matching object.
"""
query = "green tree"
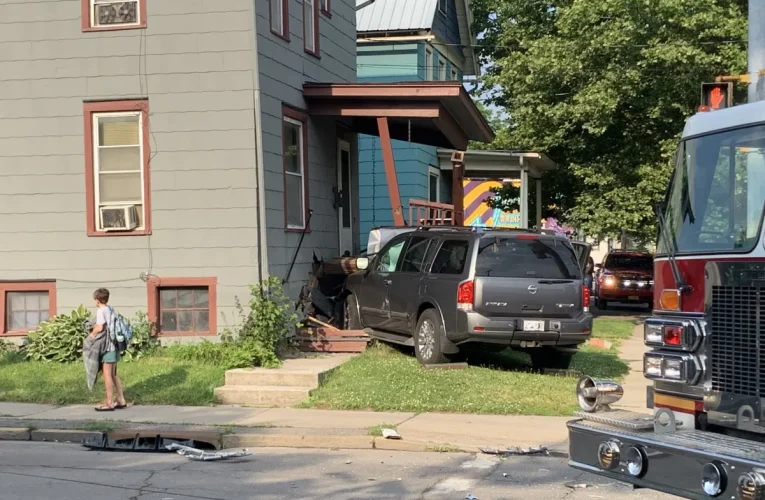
(604, 88)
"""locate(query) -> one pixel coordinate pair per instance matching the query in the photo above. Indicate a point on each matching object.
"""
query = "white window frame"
(434, 172)
(94, 19)
(309, 43)
(277, 14)
(324, 5)
(443, 6)
(428, 64)
(97, 170)
(301, 175)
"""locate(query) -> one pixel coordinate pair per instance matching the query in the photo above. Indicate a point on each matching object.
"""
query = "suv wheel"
(351, 320)
(427, 339)
(549, 357)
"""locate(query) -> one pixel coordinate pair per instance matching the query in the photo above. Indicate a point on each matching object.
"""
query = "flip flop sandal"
(104, 408)
(120, 407)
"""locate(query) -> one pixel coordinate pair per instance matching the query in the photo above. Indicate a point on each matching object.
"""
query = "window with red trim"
(326, 7)
(279, 15)
(117, 168)
(295, 156)
(183, 306)
(311, 27)
(111, 15)
(24, 305)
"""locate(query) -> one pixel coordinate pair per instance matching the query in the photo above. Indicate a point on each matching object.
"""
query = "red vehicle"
(625, 276)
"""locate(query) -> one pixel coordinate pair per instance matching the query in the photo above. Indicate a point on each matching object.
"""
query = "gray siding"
(283, 68)
(196, 65)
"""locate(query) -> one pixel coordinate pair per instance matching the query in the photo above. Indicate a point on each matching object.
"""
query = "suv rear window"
(508, 257)
(642, 262)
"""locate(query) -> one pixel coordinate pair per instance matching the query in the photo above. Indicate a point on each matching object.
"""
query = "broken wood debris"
(207, 456)
(540, 450)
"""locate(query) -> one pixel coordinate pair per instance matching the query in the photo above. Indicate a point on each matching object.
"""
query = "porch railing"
(430, 213)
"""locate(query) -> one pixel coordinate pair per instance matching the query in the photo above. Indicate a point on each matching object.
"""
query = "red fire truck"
(705, 342)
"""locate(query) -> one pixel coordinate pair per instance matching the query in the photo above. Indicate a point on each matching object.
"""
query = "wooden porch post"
(458, 191)
(390, 171)
(538, 183)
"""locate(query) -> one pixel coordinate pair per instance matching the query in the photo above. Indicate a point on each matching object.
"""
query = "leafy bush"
(255, 342)
(144, 341)
(6, 347)
(59, 339)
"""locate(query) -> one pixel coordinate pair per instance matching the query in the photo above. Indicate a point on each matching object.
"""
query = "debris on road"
(207, 456)
(577, 486)
(540, 450)
(471, 497)
(390, 434)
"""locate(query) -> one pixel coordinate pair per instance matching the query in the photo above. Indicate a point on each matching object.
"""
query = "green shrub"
(6, 347)
(255, 342)
(144, 342)
(59, 339)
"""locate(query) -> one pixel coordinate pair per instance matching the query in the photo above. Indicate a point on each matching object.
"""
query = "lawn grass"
(150, 381)
(386, 379)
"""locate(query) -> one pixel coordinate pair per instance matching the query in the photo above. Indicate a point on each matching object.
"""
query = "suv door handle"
(388, 282)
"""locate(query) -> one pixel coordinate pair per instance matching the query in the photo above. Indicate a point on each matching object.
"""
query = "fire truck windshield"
(715, 200)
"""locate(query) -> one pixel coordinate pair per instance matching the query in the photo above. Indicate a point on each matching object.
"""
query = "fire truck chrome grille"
(736, 340)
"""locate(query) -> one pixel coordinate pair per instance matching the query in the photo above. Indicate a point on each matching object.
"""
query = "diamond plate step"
(623, 419)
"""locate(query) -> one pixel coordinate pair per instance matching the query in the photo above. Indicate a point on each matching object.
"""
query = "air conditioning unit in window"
(122, 218)
(111, 13)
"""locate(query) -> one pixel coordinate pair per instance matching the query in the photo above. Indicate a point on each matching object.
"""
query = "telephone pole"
(756, 53)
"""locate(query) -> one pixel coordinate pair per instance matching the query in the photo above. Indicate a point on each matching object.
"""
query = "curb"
(220, 440)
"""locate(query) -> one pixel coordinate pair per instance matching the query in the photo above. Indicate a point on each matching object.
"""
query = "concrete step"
(264, 377)
(261, 396)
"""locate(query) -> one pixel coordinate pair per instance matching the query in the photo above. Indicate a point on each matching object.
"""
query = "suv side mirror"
(362, 263)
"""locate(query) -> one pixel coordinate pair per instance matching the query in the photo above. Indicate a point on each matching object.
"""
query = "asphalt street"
(70, 472)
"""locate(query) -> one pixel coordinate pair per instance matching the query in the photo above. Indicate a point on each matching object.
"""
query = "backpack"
(120, 330)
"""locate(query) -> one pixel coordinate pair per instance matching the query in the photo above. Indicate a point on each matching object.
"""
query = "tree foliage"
(604, 88)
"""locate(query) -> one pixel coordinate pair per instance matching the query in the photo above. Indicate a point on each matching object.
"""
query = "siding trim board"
(25, 286)
(285, 34)
(90, 109)
(153, 287)
(302, 117)
(87, 19)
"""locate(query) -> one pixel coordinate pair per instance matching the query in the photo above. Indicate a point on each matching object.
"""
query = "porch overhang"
(440, 114)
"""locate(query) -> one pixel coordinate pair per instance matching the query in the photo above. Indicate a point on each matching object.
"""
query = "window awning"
(440, 114)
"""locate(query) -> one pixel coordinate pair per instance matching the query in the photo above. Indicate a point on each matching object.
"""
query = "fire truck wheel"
(549, 357)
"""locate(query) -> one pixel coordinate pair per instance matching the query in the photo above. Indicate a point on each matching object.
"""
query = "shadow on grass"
(149, 389)
(12, 358)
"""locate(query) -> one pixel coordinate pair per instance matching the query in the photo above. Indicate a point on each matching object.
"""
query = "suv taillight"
(585, 298)
(465, 295)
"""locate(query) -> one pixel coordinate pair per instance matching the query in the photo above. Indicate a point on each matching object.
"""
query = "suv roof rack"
(478, 229)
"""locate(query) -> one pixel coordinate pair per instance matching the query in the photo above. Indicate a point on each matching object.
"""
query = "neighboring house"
(178, 151)
(404, 41)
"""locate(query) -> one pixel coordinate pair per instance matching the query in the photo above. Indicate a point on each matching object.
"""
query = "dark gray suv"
(443, 289)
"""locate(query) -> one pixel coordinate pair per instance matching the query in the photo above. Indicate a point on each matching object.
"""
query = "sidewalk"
(307, 428)
(634, 384)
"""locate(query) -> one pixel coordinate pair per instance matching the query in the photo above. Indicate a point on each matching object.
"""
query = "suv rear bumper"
(474, 327)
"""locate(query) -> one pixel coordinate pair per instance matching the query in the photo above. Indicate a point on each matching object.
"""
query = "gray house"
(178, 151)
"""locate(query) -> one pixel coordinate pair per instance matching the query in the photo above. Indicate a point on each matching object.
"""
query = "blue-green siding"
(394, 62)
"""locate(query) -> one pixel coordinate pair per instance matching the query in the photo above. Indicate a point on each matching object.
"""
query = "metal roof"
(396, 15)
(714, 121)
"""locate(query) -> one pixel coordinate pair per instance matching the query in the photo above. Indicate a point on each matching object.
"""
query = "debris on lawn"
(390, 434)
(207, 456)
(540, 450)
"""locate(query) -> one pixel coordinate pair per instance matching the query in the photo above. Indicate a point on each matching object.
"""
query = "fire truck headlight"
(636, 461)
(608, 455)
(673, 367)
(713, 479)
(751, 486)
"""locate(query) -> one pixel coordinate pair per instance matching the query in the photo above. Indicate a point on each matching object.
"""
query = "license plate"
(533, 326)
(634, 297)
